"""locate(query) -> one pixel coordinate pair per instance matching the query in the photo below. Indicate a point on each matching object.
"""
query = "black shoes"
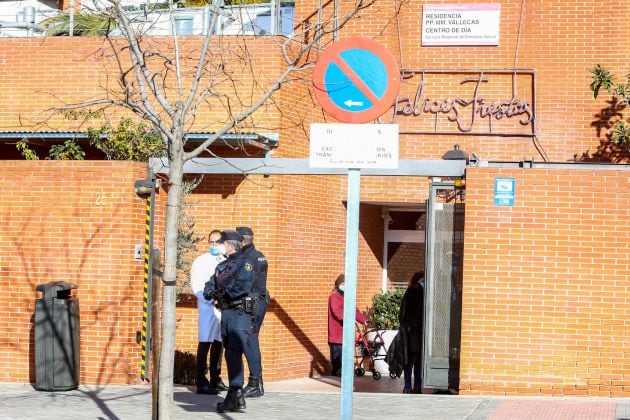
(234, 401)
(218, 385)
(254, 388)
(212, 387)
(205, 389)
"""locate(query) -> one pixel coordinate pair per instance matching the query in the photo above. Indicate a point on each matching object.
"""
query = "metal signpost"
(356, 81)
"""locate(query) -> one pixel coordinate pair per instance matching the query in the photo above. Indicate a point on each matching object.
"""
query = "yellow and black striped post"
(148, 274)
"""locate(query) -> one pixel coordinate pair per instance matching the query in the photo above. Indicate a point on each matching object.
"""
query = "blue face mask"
(214, 250)
(341, 287)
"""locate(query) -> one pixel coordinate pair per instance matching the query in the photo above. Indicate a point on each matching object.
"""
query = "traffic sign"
(356, 80)
(354, 146)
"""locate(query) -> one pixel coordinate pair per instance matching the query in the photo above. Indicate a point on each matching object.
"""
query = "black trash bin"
(56, 337)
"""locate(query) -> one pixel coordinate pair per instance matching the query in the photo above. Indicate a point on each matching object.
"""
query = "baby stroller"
(369, 345)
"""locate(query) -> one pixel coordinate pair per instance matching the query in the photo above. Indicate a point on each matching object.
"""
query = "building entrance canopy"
(285, 166)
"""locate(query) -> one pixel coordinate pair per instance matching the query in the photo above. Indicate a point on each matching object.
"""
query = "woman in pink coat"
(335, 324)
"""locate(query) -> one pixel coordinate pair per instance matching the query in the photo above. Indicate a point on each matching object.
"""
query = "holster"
(250, 305)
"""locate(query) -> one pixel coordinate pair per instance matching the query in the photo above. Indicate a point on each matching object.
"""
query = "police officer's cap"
(244, 230)
(230, 235)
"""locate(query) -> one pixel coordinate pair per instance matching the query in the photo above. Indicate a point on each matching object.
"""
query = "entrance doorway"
(430, 236)
(404, 245)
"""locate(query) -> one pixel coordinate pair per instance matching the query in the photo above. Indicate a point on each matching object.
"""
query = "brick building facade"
(545, 285)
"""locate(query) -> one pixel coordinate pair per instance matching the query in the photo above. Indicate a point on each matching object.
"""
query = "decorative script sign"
(460, 24)
(475, 102)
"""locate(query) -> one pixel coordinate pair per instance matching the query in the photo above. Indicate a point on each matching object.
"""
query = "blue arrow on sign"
(367, 87)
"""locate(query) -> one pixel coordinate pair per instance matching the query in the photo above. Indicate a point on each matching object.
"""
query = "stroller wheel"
(393, 375)
(359, 371)
(376, 375)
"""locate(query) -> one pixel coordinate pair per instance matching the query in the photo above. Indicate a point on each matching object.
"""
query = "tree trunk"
(169, 290)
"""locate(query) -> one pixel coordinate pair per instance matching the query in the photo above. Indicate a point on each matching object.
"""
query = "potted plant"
(383, 318)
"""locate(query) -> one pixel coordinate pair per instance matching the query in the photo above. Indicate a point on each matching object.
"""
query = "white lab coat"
(209, 324)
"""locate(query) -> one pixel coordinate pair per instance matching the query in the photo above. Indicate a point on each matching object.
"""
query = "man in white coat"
(209, 324)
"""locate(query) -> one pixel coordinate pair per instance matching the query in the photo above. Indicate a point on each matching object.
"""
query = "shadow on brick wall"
(607, 151)
(319, 361)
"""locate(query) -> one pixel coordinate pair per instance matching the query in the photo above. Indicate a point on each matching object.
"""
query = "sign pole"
(350, 292)
(356, 80)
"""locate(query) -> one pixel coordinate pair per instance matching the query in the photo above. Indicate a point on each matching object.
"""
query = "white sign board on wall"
(460, 24)
(354, 146)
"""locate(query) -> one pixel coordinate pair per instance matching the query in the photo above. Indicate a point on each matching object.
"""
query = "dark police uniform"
(231, 286)
(254, 387)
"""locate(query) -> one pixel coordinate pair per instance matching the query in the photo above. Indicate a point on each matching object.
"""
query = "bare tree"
(167, 85)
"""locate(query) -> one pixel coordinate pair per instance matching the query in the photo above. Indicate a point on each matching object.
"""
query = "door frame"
(395, 235)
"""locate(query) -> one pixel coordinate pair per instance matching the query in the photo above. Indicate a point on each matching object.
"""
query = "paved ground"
(301, 399)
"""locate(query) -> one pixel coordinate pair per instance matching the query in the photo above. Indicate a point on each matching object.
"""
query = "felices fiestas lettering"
(460, 110)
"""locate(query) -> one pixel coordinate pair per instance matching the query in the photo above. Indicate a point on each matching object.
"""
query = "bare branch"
(200, 63)
(143, 74)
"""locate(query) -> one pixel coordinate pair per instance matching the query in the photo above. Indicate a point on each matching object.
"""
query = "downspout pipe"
(23, 25)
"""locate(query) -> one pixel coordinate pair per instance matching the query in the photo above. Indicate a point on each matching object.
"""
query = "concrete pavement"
(300, 399)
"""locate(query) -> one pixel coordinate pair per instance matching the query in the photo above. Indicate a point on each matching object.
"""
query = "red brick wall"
(408, 259)
(76, 222)
(42, 74)
(546, 302)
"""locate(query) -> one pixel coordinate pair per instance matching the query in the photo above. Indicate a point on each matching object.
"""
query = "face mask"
(217, 249)
(341, 287)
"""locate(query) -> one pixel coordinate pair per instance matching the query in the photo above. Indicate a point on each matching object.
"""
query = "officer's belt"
(237, 304)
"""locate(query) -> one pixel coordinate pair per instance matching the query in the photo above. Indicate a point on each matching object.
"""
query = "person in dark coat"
(254, 386)
(231, 286)
(411, 317)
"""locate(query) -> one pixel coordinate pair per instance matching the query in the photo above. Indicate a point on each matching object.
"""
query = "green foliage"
(621, 134)
(195, 3)
(185, 368)
(26, 151)
(237, 2)
(80, 114)
(85, 24)
(622, 91)
(603, 78)
(385, 307)
(129, 141)
(69, 150)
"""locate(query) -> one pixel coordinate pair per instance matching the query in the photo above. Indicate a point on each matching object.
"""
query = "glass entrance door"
(443, 286)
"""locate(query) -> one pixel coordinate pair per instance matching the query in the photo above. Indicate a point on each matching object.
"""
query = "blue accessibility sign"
(504, 192)
(356, 80)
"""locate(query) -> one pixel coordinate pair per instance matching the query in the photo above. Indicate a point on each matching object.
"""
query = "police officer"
(231, 285)
(254, 386)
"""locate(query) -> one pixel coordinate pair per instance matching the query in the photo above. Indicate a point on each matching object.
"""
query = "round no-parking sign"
(356, 80)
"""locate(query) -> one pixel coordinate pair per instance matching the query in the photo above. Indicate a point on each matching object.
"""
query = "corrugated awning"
(264, 141)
